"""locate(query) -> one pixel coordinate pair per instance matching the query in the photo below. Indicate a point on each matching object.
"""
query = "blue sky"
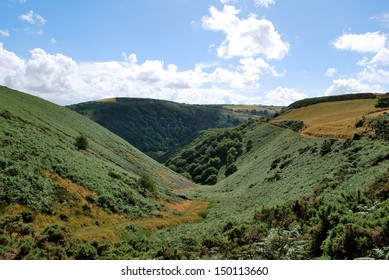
(191, 51)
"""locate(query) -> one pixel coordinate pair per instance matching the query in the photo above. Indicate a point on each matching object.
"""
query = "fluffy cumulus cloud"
(62, 80)
(342, 86)
(374, 75)
(282, 96)
(369, 42)
(245, 37)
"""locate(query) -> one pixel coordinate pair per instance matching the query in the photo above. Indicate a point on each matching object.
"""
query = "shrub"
(295, 125)
(53, 234)
(27, 217)
(147, 184)
(81, 143)
(231, 169)
(86, 252)
(326, 147)
(211, 180)
(249, 145)
(382, 103)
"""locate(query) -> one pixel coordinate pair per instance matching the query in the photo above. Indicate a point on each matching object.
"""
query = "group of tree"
(216, 151)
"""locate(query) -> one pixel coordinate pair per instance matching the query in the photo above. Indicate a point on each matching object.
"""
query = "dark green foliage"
(326, 147)
(382, 102)
(249, 145)
(211, 179)
(380, 126)
(53, 234)
(231, 169)
(86, 252)
(332, 98)
(359, 123)
(81, 143)
(203, 159)
(379, 189)
(158, 128)
(27, 217)
(146, 184)
(295, 125)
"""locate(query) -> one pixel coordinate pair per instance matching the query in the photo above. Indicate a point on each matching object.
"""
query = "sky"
(270, 52)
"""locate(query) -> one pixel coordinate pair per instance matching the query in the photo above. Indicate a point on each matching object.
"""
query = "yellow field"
(333, 119)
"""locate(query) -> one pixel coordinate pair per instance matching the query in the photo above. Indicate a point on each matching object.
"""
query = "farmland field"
(333, 119)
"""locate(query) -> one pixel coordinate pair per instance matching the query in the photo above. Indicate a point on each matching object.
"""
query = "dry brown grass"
(185, 212)
(96, 223)
(333, 119)
(107, 100)
(82, 215)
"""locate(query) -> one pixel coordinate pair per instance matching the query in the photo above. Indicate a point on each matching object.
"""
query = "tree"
(231, 155)
(81, 143)
(382, 103)
(230, 170)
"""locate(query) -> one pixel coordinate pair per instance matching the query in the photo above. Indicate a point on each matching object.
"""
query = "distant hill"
(156, 127)
(344, 116)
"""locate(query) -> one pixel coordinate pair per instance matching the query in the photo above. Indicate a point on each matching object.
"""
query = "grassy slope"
(156, 127)
(333, 119)
(42, 172)
(281, 167)
(256, 183)
(301, 169)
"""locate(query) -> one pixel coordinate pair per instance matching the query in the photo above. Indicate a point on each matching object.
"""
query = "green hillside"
(51, 184)
(156, 127)
(268, 193)
(289, 198)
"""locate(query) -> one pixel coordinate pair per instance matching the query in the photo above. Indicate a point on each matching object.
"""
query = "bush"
(382, 103)
(86, 252)
(326, 147)
(81, 143)
(231, 169)
(295, 125)
(211, 180)
(146, 184)
(54, 234)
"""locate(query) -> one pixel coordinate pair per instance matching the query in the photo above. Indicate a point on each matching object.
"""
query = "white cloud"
(245, 37)
(53, 41)
(345, 86)
(283, 96)
(4, 33)
(382, 18)
(330, 72)
(373, 74)
(62, 80)
(264, 3)
(11, 68)
(369, 42)
(32, 18)
(382, 57)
